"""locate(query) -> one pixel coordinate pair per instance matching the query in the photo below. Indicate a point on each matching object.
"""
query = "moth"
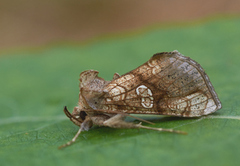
(168, 84)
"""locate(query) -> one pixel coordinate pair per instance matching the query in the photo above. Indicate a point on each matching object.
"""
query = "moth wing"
(168, 84)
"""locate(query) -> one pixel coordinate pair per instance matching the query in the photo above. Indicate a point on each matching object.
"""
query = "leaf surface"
(35, 85)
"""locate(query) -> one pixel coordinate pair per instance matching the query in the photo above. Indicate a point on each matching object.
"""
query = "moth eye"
(83, 115)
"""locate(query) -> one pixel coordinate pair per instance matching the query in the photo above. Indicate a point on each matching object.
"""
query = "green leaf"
(36, 85)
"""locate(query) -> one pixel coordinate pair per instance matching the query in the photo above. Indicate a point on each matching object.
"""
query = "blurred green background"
(45, 45)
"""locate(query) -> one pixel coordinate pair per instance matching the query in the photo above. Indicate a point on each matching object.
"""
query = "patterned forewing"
(168, 84)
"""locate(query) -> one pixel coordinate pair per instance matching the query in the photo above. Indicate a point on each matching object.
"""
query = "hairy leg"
(117, 121)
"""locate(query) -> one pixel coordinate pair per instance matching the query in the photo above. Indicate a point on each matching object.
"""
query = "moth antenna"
(69, 115)
(73, 140)
(161, 129)
(140, 119)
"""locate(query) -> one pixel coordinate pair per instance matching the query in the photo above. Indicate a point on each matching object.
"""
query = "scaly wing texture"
(168, 84)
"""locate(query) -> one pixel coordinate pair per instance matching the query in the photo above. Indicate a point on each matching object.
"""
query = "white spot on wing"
(147, 106)
(147, 99)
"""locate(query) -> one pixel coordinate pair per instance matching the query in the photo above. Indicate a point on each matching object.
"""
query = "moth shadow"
(215, 113)
(162, 119)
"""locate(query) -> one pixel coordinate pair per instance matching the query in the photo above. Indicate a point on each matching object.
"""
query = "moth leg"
(86, 125)
(160, 129)
(117, 121)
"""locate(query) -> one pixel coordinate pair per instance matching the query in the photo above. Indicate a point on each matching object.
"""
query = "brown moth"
(168, 84)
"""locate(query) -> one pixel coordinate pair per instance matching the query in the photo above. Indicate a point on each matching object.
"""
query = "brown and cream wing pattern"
(168, 84)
